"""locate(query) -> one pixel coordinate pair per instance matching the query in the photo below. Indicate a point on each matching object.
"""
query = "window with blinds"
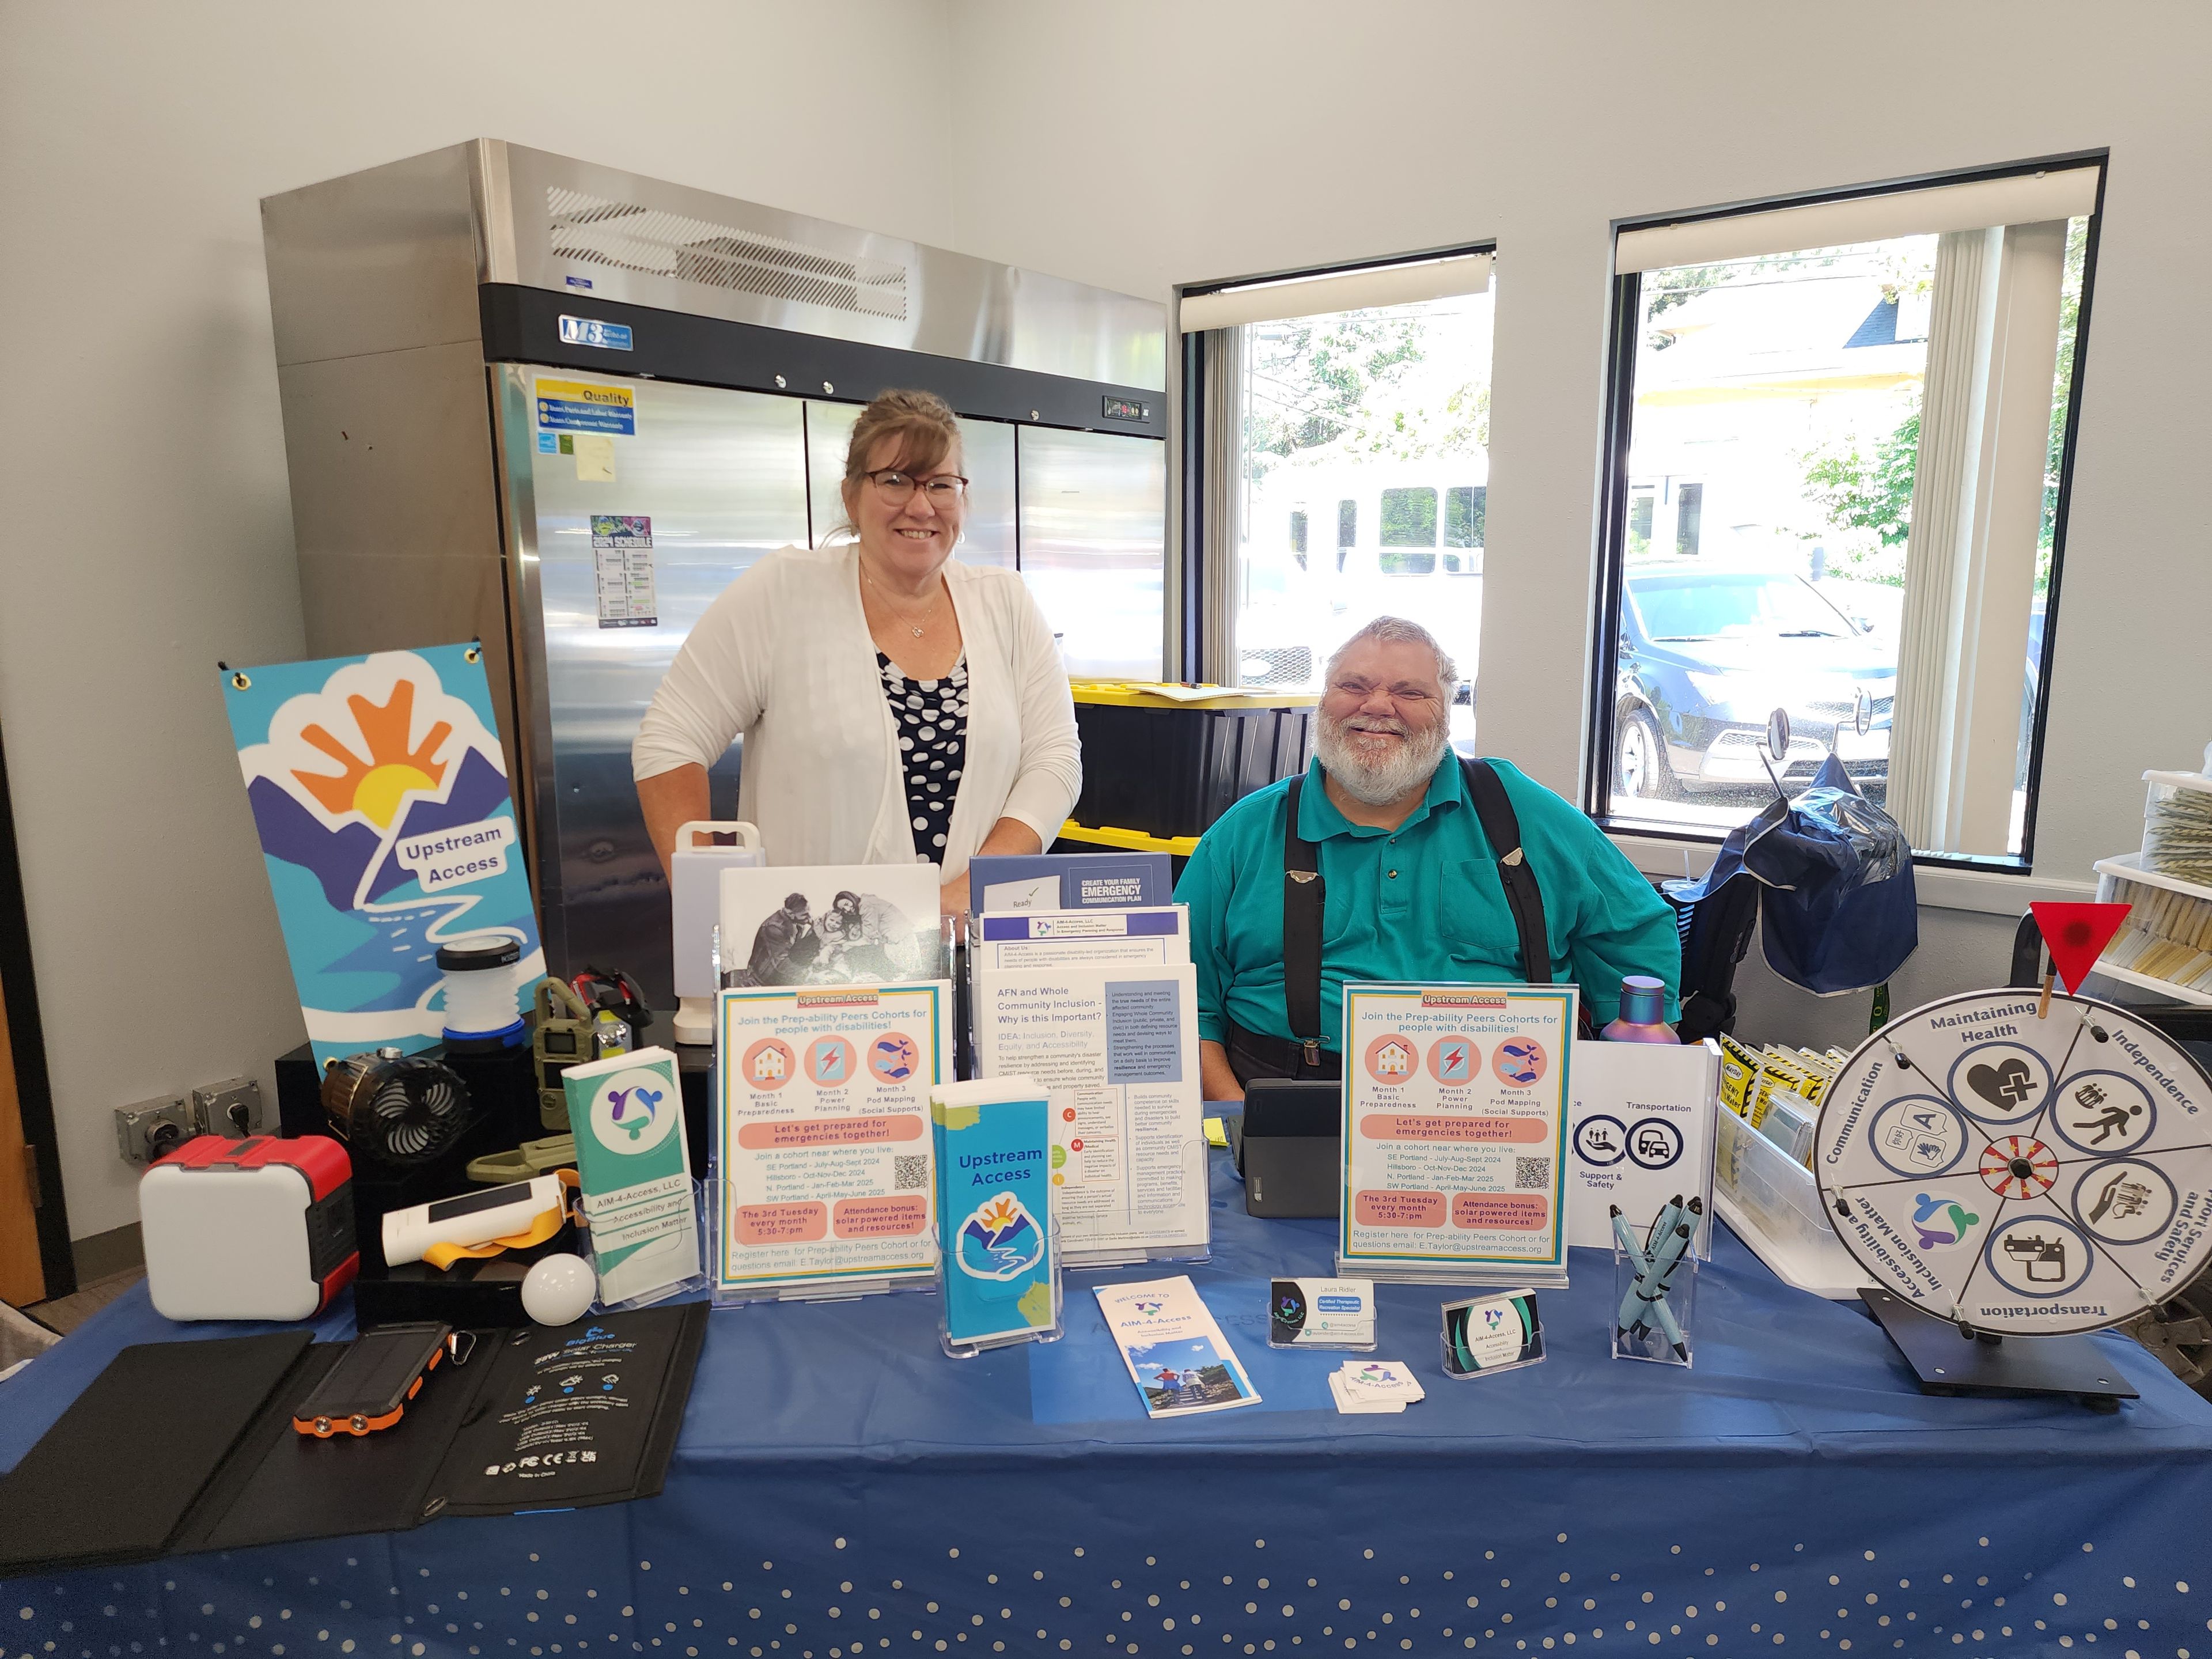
(1838, 439)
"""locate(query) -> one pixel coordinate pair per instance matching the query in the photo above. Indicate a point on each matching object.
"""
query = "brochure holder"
(1659, 1328)
(1095, 942)
(998, 1257)
(694, 1280)
(1485, 1335)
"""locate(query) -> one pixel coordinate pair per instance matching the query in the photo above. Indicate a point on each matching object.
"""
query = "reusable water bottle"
(1642, 1016)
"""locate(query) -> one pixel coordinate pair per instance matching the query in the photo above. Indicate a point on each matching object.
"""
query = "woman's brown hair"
(922, 422)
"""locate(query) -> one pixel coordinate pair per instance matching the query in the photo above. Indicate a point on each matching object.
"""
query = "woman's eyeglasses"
(943, 488)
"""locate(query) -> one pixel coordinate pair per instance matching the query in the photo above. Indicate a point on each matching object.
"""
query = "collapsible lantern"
(253, 1229)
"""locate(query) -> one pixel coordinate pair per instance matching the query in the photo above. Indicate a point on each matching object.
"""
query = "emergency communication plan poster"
(1454, 1117)
(822, 1132)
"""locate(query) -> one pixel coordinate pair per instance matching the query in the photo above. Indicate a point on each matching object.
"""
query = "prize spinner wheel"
(2016, 1175)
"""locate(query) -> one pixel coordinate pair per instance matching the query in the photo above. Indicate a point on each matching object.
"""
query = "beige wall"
(144, 485)
(1132, 144)
(1149, 143)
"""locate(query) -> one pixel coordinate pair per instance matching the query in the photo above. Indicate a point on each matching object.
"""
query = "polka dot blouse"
(933, 728)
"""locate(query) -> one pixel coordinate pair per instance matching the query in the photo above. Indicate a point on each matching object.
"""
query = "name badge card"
(822, 1138)
(1454, 1118)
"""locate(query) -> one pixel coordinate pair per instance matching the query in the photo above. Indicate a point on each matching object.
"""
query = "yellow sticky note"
(595, 458)
(1217, 1133)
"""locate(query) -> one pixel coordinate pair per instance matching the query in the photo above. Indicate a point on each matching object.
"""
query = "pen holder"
(1657, 1327)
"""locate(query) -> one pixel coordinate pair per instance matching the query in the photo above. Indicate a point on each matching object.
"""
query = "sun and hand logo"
(1000, 1241)
(375, 787)
(419, 793)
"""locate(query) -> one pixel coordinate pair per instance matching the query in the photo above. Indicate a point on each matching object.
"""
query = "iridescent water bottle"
(1643, 1017)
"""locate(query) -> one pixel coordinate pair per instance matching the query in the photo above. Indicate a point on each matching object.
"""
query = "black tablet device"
(1289, 1148)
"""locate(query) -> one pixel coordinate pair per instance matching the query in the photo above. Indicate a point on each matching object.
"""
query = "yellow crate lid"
(1152, 694)
(1130, 841)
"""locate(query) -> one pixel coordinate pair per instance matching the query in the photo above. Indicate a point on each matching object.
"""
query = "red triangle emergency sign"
(2077, 935)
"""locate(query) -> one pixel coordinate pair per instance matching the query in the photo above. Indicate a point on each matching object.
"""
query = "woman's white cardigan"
(784, 658)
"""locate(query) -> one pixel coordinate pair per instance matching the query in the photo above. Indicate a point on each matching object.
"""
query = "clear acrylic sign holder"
(830, 1283)
(1192, 1161)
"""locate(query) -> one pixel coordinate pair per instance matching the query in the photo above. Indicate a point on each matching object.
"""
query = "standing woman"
(896, 706)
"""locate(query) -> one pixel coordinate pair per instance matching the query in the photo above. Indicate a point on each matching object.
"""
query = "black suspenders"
(1303, 899)
(1304, 896)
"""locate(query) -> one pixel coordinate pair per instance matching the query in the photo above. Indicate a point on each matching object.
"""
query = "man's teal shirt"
(1422, 903)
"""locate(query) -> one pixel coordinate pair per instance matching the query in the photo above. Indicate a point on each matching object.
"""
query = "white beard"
(1380, 782)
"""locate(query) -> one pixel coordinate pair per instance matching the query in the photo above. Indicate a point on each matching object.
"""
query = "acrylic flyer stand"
(999, 1252)
(1100, 1007)
(823, 1158)
(1456, 1107)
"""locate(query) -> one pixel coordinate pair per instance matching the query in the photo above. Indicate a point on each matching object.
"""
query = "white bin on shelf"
(1771, 1202)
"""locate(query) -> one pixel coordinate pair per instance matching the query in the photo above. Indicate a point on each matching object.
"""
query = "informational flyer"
(1641, 1133)
(1176, 1354)
(627, 1111)
(822, 1133)
(1455, 1121)
(1081, 938)
(621, 554)
(1117, 1050)
(1069, 881)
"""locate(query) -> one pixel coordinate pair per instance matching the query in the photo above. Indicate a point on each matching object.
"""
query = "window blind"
(2025, 199)
(1350, 290)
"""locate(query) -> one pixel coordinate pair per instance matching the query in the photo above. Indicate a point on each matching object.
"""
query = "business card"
(1321, 1313)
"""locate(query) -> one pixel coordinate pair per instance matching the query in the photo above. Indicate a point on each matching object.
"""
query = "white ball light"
(557, 1291)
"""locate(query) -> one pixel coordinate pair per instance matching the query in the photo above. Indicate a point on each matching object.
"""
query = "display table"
(841, 1488)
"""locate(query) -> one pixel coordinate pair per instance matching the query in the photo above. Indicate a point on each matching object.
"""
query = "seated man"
(1396, 873)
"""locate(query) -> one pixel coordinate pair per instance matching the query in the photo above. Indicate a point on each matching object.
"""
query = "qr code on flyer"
(1532, 1173)
(909, 1171)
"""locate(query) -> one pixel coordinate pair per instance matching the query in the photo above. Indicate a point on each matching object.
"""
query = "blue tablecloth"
(843, 1490)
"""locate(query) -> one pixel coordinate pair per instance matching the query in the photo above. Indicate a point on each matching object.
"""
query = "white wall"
(1154, 141)
(144, 483)
(1132, 144)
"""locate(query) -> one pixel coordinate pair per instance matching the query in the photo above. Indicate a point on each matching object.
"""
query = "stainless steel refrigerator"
(485, 350)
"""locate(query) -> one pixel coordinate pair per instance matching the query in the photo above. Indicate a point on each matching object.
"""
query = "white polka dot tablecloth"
(842, 1491)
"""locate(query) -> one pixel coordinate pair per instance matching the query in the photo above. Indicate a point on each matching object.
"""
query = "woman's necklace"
(912, 626)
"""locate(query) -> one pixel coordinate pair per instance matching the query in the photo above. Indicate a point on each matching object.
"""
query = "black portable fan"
(398, 1109)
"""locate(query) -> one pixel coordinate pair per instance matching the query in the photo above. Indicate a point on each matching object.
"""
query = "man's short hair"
(1397, 630)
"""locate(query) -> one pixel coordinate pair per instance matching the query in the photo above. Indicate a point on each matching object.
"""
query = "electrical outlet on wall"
(231, 1108)
(144, 1132)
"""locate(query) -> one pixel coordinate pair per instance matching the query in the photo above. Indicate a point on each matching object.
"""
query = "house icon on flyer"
(768, 1065)
(1394, 1058)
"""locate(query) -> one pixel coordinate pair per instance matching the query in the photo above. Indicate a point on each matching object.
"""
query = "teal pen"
(1669, 1327)
(1670, 1254)
(1661, 1229)
(1641, 1254)
(1649, 1286)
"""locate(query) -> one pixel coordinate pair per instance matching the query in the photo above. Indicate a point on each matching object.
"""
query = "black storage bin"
(1167, 766)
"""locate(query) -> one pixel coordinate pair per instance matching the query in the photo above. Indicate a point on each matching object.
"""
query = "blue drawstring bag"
(1834, 877)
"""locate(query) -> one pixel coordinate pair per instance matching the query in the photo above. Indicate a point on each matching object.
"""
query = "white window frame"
(2017, 197)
